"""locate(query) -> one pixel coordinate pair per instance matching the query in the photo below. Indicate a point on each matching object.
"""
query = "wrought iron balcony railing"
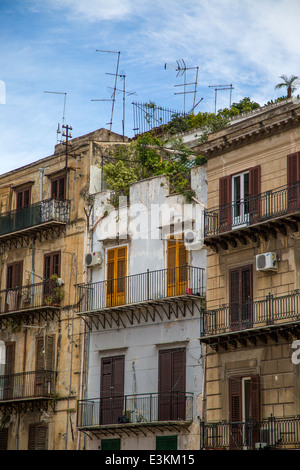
(253, 210)
(43, 212)
(27, 385)
(251, 314)
(141, 408)
(29, 297)
(274, 433)
(143, 287)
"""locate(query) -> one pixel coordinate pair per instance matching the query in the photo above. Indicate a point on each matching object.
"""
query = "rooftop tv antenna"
(222, 87)
(181, 70)
(113, 98)
(64, 110)
(122, 76)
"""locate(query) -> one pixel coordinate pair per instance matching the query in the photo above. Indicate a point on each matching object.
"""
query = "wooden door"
(8, 389)
(112, 389)
(116, 276)
(177, 272)
(293, 181)
(13, 286)
(171, 384)
(240, 298)
(44, 366)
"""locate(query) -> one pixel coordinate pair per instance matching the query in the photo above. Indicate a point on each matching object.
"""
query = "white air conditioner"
(94, 258)
(266, 262)
(193, 240)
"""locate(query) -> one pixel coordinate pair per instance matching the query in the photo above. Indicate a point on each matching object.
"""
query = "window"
(177, 273)
(166, 442)
(13, 285)
(23, 198)
(244, 409)
(52, 264)
(240, 297)
(171, 384)
(112, 389)
(45, 355)
(238, 201)
(58, 187)
(293, 178)
(7, 391)
(110, 444)
(116, 276)
(38, 437)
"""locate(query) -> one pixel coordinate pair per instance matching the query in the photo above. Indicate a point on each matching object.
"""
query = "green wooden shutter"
(110, 444)
(166, 442)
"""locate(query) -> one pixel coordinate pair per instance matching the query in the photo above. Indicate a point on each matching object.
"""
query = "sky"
(60, 58)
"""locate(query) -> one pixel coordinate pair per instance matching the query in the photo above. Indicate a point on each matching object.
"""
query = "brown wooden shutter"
(240, 297)
(50, 353)
(3, 438)
(225, 203)
(171, 384)
(293, 177)
(254, 191)
(37, 437)
(255, 397)
(9, 370)
(235, 397)
(112, 389)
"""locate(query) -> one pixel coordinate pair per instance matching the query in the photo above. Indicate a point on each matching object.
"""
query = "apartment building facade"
(141, 307)
(42, 237)
(251, 324)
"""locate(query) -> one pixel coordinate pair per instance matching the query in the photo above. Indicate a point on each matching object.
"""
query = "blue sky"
(51, 45)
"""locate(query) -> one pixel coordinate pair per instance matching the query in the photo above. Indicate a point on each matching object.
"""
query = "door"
(58, 187)
(52, 265)
(8, 388)
(240, 199)
(244, 408)
(177, 272)
(44, 377)
(171, 384)
(240, 298)
(112, 389)
(13, 286)
(293, 181)
(116, 276)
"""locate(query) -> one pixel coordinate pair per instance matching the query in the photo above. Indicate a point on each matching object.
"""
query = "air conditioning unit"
(193, 240)
(94, 258)
(266, 262)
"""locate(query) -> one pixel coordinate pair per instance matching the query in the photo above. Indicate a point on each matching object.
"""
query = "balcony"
(29, 301)
(141, 294)
(236, 323)
(135, 413)
(25, 388)
(49, 216)
(271, 433)
(264, 215)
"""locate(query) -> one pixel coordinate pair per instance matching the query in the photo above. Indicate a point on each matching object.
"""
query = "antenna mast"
(115, 86)
(221, 87)
(64, 110)
(181, 70)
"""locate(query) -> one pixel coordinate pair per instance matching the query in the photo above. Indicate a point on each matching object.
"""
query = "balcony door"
(13, 286)
(116, 276)
(52, 266)
(7, 387)
(112, 389)
(244, 408)
(171, 384)
(45, 354)
(240, 298)
(240, 199)
(177, 272)
(293, 181)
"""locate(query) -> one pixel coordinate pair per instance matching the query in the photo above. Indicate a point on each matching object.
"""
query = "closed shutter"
(112, 389)
(177, 272)
(44, 365)
(293, 178)
(166, 442)
(37, 437)
(225, 203)
(255, 397)
(254, 190)
(110, 444)
(171, 384)
(116, 276)
(9, 370)
(240, 297)
(3, 438)
(235, 411)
